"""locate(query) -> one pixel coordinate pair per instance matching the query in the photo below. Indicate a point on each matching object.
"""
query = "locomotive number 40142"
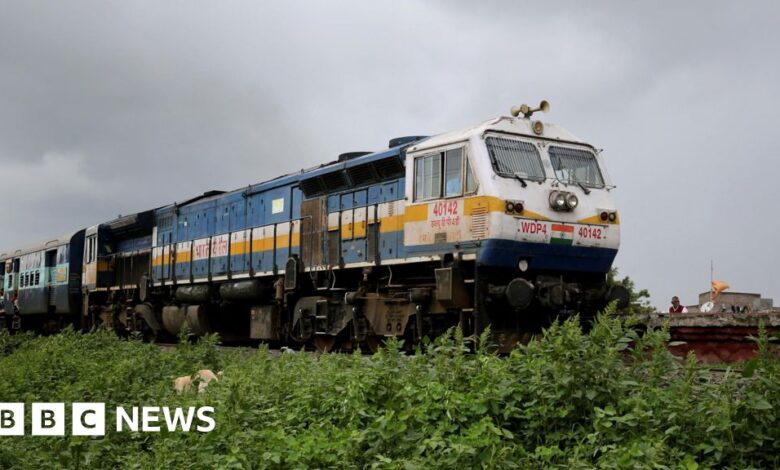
(595, 233)
(445, 208)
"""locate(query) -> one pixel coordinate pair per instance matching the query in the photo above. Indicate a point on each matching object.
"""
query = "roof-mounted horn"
(527, 111)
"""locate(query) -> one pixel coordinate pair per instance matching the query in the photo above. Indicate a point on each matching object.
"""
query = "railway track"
(715, 339)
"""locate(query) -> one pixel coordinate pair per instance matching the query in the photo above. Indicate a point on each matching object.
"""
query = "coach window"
(91, 249)
(427, 177)
(62, 254)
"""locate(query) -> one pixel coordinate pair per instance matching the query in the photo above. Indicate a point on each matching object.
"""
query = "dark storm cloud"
(113, 107)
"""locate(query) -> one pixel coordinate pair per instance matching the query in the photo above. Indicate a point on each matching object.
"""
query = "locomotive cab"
(527, 206)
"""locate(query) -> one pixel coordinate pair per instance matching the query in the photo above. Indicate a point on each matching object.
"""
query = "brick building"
(737, 301)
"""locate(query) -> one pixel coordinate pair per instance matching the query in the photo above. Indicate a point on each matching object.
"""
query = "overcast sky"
(109, 108)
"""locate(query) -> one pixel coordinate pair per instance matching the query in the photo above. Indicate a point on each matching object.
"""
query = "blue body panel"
(183, 271)
(542, 256)
(391, 245)
(267, 204)
(134, 244)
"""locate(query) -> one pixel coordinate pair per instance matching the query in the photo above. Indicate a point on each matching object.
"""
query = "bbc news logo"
(89, 419)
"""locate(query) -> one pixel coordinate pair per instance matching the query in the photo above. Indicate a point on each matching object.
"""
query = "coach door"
(51, 275)
(90, 261)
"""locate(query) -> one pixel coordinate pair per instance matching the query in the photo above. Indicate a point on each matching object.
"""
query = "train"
(510, 224)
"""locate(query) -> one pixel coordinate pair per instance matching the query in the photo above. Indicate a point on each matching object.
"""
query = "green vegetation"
(610, 399)
(639, 300)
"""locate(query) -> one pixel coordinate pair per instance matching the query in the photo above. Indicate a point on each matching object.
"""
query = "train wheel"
(373, 343)
(148, 335)
(145, 322)
(324, 344)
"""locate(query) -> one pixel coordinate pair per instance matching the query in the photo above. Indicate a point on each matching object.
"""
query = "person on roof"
(676, 307)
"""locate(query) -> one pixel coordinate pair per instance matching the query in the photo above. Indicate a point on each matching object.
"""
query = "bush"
(609, 399)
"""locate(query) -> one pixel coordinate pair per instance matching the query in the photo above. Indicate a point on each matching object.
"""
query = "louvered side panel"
(479, 226)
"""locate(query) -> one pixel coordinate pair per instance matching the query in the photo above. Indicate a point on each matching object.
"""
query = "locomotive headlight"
(612, 216)
(522, 265)
(558, 200)
(510, 206)
(572, 201)
(538, 127)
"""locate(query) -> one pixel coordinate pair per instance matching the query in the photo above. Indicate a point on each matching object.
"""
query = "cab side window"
(427, 177)
(453, 164)
(471, 182)
(446, 174)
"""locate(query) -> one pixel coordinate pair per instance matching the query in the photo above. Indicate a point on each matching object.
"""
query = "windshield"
(513, 158)
(576, 166)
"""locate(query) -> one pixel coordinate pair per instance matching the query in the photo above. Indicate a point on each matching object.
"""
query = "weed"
(612, 398)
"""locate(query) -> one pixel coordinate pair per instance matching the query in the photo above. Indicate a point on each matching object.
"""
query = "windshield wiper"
(521, 180)
(586, 190)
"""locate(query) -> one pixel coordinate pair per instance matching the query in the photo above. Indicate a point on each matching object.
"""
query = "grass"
(609, 399)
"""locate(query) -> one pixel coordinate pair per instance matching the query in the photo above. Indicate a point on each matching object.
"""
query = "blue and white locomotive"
(508, 223)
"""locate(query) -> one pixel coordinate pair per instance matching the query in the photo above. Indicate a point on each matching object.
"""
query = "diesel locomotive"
(508, 223)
